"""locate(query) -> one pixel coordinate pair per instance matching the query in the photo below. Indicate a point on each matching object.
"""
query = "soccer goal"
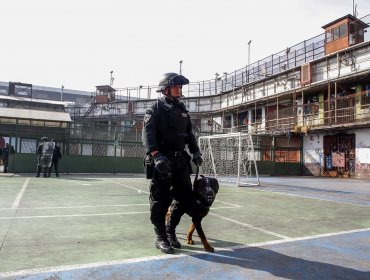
(229, 158)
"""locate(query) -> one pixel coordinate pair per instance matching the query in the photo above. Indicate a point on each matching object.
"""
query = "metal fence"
(297, 55)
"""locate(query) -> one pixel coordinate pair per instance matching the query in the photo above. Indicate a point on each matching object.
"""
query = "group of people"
(4, 155)
(48, 157)
(167, 132)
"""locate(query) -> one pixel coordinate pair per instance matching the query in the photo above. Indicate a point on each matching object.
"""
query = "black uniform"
(57, 155)
(168, 130)
(39, 152)
(5, 156)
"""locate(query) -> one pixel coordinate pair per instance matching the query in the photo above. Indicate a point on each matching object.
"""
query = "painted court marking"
(250, 226)
(78, 207)
(140, 190)
(127, 186)
(19, 196)
(74, 215)
(55, 269)
(314, 198)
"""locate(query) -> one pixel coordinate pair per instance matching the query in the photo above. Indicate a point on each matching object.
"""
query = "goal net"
(229, 158)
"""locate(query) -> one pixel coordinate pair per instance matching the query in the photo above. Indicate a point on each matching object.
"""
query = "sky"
(77, 43)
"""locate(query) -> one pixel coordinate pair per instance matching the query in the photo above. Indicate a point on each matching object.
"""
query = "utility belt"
(149, 161)
(173, 153)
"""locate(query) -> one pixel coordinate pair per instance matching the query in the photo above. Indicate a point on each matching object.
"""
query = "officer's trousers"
(177, 187)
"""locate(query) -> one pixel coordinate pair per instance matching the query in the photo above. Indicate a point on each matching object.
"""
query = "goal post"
(229, 158)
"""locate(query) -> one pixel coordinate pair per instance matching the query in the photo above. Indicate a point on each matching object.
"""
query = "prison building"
(307, 106)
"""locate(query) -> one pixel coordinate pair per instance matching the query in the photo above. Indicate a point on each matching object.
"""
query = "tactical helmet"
(171, 79)
(44, 139)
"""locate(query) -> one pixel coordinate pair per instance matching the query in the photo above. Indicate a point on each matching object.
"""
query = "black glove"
(162, 165)
(197, 158)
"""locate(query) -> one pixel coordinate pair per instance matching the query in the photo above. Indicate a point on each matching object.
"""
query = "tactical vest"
(173, 121)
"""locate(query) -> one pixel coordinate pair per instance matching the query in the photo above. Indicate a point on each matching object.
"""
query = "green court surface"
(82, 219)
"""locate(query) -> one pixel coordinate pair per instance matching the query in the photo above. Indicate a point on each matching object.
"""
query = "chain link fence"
(84, 139)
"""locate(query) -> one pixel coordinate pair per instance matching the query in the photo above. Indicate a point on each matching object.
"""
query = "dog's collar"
(201, 204)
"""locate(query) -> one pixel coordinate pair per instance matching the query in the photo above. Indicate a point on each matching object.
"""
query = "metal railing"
(349, 110)
(297, 55)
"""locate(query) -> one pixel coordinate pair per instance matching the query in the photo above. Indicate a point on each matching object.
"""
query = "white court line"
(250, 226)
(127, 186)
(73, 215)
(234, 205)
(313, 198)
(78, 207)
(96, 265)
(19, 196)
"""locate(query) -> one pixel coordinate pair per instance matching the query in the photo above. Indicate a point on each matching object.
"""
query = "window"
(352, 33)
(343, 30)
(335, 33)
(257, 115)
(365, 98)
(328, 36)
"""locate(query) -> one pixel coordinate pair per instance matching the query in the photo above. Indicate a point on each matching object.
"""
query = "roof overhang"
(16, 113)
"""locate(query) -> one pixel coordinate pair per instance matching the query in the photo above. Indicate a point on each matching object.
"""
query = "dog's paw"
(190, 241)
(209, 248)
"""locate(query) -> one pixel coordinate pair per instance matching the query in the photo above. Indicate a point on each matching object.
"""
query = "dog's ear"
(214, 185)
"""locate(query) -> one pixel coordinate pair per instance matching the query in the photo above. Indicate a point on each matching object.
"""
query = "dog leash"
(196, 173)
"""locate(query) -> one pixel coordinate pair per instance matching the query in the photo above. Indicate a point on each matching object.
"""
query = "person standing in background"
(57, 156)
(39, 153)
(5, 156)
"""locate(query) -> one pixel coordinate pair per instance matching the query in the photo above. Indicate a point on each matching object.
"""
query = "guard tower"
(105, 94)
(343, 33)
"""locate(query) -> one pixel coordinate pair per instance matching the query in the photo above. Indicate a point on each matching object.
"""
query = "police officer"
(39, 152)
(167, 130)
(5, 155)
(57, 156)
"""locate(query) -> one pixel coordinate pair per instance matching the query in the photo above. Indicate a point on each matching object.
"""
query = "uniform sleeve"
(192, 141)
(150, 130)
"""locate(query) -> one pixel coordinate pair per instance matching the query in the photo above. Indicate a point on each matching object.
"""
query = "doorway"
(340, 153)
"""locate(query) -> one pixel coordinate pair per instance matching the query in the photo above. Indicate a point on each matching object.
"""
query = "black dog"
(203, 196)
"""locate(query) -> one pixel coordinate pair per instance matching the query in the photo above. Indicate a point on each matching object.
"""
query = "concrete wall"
(313, 154)
(26, 163)
(363, 153)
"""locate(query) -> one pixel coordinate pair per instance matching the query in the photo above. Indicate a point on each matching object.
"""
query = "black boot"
(173, 221)
(38, 171)
(172, 239)
(162, 243)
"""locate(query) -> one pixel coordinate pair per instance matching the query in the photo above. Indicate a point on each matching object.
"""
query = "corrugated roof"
(17, 113)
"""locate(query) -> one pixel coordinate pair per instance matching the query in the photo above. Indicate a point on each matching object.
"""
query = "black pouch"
(148, 166)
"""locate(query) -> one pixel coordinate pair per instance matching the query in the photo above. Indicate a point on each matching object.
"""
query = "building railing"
(297, 55)
(349, 110)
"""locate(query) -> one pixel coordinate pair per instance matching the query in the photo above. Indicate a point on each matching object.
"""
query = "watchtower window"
(343, 30)
(336, 33)
(328, 36)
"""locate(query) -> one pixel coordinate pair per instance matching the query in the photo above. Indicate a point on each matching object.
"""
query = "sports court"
(97, 227)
